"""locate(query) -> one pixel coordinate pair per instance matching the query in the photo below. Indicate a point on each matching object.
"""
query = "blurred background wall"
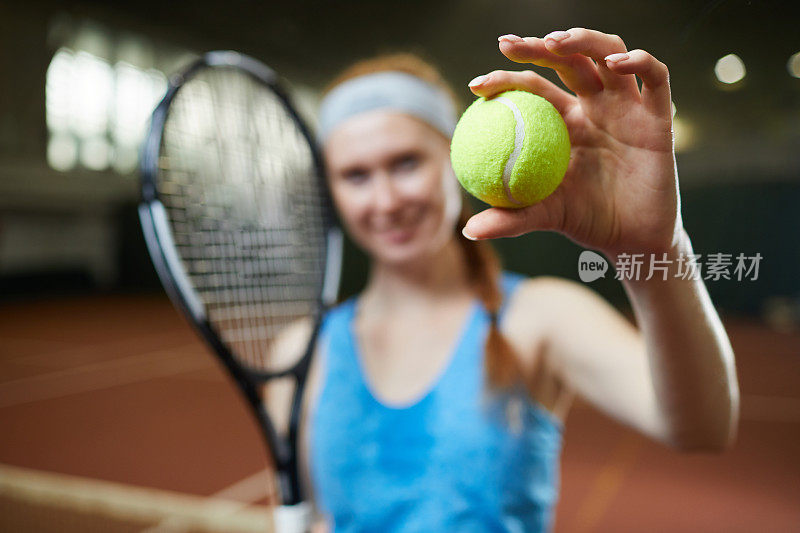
(78, 80)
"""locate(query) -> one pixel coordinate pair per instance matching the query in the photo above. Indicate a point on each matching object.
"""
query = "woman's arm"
(675, 380)
(691, 359)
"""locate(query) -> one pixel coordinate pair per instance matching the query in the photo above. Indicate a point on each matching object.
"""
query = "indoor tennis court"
(116, 416)
(106, 414)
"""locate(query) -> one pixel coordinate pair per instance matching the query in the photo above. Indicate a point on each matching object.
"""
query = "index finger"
(498, 81)
(577, 71)
(598, 46)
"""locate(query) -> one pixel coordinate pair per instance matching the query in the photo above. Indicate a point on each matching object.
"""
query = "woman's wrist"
(673, 262)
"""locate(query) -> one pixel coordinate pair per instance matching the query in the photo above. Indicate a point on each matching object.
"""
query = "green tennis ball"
(511, 150)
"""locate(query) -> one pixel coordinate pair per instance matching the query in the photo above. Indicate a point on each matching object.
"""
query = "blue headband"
(391, 91)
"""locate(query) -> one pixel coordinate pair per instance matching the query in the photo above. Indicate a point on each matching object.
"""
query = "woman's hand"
(620, 192)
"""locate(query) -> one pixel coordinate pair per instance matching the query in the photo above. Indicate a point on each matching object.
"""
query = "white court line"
(123, 502)
(240, 495)
(102, 375)
(250, 489)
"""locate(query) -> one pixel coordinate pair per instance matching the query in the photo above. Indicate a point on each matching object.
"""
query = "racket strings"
(247, 211)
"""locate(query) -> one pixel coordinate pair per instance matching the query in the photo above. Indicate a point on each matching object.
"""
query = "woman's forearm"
(691, 359)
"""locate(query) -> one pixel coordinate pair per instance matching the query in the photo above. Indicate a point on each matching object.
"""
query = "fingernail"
(510, 38)
(479, 80)
(556, 36)
(467, 235)
(616, 58)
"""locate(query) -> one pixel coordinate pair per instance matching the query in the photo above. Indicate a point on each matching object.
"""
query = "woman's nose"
(385, 195)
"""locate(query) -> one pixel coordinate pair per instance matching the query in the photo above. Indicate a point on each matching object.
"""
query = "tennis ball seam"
(519, 139)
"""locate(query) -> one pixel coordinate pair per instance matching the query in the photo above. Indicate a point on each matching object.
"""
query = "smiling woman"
(390, 176)
(438, 395)
(424, 341)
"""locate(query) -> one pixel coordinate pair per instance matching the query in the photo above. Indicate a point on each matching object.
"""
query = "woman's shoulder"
(549, 307)
(543, 283)
(541, 295)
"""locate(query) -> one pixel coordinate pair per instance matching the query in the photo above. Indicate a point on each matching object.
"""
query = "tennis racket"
(239, 225)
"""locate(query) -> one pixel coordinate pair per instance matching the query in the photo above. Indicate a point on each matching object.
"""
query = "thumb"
(498, 222)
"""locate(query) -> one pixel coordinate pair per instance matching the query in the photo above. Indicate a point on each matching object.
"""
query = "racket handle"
(292, 518)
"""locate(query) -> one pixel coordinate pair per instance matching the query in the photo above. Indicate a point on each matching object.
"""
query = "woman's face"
(392, 184)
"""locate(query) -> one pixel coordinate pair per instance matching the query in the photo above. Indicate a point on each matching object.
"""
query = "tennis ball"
(511, 150)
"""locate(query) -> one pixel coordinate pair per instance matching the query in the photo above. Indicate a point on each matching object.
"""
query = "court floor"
(114, 417)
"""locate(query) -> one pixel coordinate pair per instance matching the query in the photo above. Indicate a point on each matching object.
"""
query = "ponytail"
(502, 366)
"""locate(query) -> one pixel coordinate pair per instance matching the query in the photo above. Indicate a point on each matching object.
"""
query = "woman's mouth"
(397, 234)
(401, 229)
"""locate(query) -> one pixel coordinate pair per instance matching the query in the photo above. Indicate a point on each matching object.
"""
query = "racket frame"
(160, 245)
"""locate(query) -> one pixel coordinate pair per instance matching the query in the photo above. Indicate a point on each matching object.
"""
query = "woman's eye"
(407, 163)
(355, 176)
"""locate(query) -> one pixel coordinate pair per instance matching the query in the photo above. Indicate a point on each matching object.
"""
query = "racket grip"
(292, 518)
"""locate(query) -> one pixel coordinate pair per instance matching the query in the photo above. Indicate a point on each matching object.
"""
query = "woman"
(438, 395)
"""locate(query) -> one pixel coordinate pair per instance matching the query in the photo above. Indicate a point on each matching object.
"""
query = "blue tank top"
(461, 459)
